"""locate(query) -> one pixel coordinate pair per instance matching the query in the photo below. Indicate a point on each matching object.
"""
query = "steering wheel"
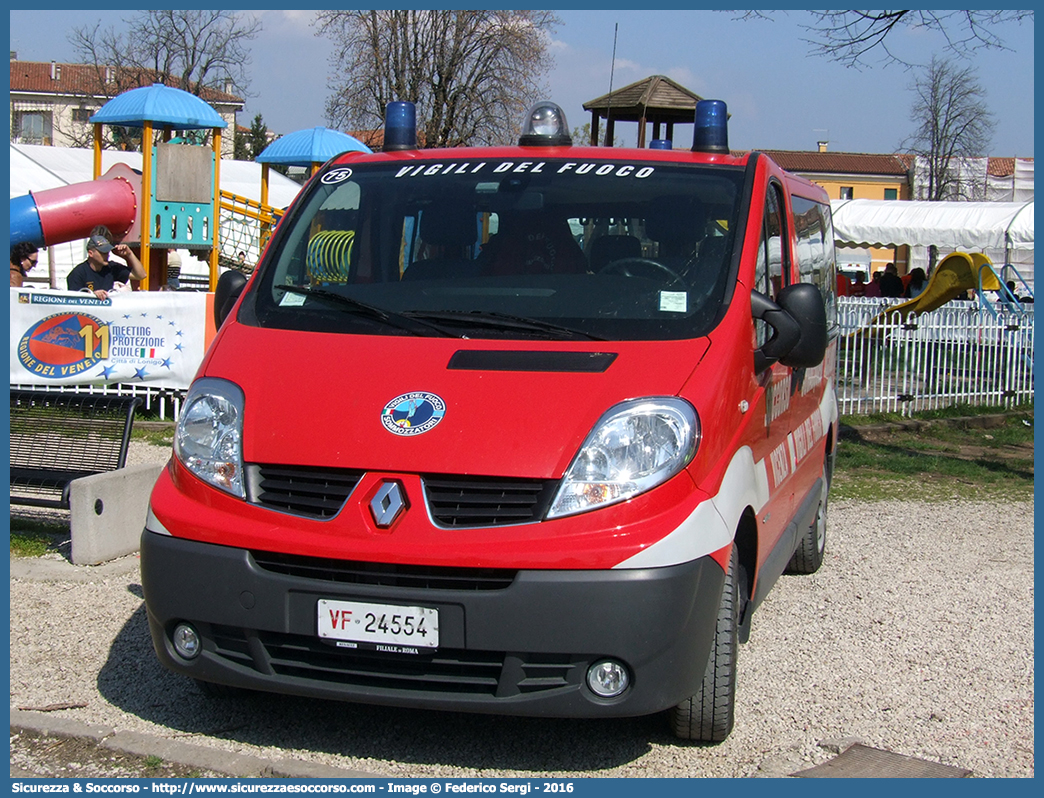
(642, 267)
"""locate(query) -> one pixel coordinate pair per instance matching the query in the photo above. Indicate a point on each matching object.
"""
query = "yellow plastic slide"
(956, 274)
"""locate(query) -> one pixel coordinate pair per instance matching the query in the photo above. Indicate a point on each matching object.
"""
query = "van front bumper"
(517, 643)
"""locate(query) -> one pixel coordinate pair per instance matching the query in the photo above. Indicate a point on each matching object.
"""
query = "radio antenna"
(609, 104)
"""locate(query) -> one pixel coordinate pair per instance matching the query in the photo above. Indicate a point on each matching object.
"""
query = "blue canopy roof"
(313, 145)
(158, 103)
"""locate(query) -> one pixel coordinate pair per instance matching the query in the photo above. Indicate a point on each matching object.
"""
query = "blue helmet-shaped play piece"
(158, 103)
(306, 147)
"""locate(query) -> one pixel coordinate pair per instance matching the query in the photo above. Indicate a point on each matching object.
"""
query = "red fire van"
(524, 430)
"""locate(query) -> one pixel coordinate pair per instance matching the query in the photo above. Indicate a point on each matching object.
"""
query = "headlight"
(209, 434)
(636, 446)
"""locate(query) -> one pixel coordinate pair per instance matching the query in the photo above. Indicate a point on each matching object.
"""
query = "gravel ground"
(915, 637)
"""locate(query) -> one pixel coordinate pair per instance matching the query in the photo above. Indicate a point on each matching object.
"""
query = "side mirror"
(799, 327)
(229, 286)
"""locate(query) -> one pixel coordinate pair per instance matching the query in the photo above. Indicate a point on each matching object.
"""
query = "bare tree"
(191, 50)
(851, 37)
(952, 124)
(470, 73)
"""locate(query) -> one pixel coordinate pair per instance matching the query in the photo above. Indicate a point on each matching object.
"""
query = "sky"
(780, 96)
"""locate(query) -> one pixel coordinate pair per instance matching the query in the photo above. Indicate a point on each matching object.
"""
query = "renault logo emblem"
(386, 506)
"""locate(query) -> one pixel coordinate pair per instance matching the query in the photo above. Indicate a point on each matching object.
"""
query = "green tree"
(258, 137)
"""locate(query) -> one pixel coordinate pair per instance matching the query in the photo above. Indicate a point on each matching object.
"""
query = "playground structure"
(66, 213)
(176, 190)
(245, 225)
(955, 275)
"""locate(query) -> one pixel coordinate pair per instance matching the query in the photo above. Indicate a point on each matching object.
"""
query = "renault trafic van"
(526, 430)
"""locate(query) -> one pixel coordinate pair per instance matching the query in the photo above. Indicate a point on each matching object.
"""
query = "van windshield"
(511, 248)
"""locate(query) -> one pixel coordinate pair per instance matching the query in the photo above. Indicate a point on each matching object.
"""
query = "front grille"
(453, 501)
(486, 501)
(447, 671)
(313, 492)
(384, 574)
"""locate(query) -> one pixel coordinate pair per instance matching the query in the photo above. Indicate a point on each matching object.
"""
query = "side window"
(773, 258)
(815, 250)
(773, 271)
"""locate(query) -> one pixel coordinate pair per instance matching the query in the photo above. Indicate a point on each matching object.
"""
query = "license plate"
(385, 627)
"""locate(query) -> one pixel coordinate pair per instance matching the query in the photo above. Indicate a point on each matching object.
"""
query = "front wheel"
(708, 716)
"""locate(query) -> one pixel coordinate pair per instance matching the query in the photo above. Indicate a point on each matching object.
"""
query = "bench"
(60, 437)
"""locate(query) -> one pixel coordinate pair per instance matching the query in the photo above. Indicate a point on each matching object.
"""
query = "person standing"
(918, 282)
(873, 288)
(891, 283)
(844, 284)
(173, 270)
(97, 274)
(242, 265)
(23, 258)
(858, 287)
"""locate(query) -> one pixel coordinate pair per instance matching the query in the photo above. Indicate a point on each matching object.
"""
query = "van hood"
(435, 405)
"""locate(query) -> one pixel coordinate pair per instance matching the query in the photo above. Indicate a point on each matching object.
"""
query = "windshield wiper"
(389, 317)
(502, 321)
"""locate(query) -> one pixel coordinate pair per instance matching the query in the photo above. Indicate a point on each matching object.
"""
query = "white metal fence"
(163, 401)
(961, 353)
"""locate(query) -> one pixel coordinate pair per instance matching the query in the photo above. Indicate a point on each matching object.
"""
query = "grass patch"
(32, 537)
(163, 436)
(946, 461)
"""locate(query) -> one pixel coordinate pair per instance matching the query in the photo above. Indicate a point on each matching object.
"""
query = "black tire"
(708, 716)
(808, 555)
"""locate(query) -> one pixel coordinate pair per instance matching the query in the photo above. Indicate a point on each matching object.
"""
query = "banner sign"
(65, 338)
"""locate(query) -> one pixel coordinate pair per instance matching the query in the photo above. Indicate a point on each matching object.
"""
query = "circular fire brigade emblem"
(64, 344)
(413, 413)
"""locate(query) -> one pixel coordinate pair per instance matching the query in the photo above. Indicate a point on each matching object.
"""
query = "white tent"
(35, 168)
(1002, 230)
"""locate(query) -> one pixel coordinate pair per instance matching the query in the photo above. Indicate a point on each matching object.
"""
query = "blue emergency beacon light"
(661, 144)
(400, 126)
(712, 127)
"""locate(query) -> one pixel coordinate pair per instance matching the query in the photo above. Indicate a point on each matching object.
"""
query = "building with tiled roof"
(897, 176)
(855, 175)
(52, 103)
(849, 175)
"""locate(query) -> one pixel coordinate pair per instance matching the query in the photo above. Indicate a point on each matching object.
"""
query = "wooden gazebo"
(656, 99)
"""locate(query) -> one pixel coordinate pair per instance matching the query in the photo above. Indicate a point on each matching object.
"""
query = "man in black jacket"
(98, 274)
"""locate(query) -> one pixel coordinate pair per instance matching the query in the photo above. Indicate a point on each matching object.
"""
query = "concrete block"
(107, 512)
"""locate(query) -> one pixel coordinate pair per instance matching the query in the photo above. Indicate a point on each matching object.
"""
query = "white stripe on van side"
(713, 523)
(152, 523)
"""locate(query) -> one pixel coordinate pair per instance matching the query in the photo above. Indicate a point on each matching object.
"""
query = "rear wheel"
(808, 555)
(708, 716)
